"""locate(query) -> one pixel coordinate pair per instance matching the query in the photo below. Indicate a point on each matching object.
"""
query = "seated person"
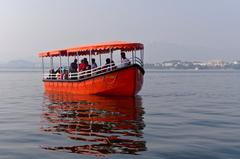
(108, 62)
(58, 75)
(51, 71)
(113, 65)
(94, 65)
(73, 66)
(60, 72)
(107, 65)
(82, 66)
(88, 67)
(51, 74)
(65, 75)
(124, 61)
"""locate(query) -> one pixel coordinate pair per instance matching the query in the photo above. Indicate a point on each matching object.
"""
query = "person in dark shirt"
(73, 66)
(108, 62)
(107, 65)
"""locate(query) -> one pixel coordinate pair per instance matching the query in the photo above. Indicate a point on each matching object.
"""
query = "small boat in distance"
(123, 78)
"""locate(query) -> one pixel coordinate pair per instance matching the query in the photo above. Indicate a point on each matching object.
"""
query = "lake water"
(177, 115)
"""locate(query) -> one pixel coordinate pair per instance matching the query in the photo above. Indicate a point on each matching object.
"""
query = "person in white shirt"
(94, 65)
(124, 61)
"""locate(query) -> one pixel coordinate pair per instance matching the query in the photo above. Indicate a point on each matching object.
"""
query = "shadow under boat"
(102, 125)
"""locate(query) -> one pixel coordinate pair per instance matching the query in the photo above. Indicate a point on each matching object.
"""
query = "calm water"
(182, 115)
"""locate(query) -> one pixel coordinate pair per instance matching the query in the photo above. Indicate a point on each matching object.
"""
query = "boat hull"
(121, 82)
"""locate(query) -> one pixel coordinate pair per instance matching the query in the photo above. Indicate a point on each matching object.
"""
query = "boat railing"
(92, 72)
(137, 60)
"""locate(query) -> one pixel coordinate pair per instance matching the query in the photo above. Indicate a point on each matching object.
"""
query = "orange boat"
(123, 78)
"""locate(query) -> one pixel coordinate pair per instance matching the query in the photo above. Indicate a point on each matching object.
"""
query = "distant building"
(171, 63)
(199, 63)
(216, 63)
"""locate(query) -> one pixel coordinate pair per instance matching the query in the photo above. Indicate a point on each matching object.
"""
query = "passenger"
(107, 65)
(82, 66)
(51, 74)
(113, 65)
(62, 70)
(65, 75)
(58, 75)
(86, 64)
(85, 60)
(51, 71)
(73, 66)
(88, 67)
(108, 62)
(124, 61)
(94, 65)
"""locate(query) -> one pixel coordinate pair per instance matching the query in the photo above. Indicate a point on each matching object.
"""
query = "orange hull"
(122, 82)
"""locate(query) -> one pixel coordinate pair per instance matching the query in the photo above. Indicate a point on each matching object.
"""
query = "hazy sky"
(182, 29)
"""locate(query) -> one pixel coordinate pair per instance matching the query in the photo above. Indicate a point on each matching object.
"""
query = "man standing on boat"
(124, 61)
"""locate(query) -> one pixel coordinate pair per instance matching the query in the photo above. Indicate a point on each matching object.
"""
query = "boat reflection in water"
(100, 125)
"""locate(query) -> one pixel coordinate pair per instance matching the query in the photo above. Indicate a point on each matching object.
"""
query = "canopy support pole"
(68, 66)
(60, 63)
(90, 60)
(51, 66)
(135, 52)
(111, 55)
(132, 57)
(51, 63)
(142, 56)
(68, 60)
(100, 59)
(111, 58)
(89, 57)
(78, 60)
(43, 67)
(78, 63)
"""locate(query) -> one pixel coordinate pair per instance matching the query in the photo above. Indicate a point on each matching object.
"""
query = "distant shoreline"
(147, 69)
(19, 70)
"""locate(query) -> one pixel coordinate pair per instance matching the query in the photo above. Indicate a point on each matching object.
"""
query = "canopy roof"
(94, 49)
